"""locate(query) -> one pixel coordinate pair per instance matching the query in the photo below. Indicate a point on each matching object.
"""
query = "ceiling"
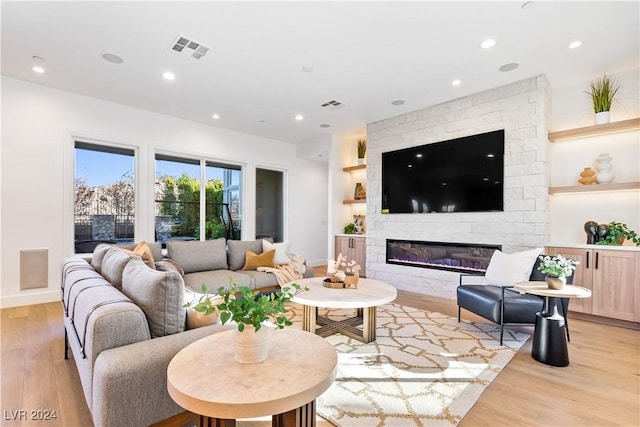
(362, 54)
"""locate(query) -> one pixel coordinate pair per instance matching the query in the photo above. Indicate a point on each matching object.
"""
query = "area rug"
(424, 369)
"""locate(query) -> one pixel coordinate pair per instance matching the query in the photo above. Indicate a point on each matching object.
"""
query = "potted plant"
(618, 233)
(602, 92)
(557, 268)
(201, 310)
(255, 314)
(362, 150)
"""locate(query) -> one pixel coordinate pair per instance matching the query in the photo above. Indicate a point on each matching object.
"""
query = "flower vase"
(554, 282)
(360, 161)
(602, 118)
(250, 346)
(605, 174)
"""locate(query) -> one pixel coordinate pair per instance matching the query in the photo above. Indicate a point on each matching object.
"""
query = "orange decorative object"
(587, 177)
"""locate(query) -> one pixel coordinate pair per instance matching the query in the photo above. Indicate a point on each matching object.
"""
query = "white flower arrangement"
(557, 266)
(339, 267)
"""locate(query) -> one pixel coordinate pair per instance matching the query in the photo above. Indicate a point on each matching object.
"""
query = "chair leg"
(502, 316)
(458, 314)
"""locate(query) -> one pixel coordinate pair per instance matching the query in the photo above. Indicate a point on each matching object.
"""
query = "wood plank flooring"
(601, 386)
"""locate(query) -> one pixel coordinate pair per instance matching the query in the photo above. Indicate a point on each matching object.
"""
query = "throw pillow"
(144, 251)
(113, 265)
(98, 255)
(194, 256)
(237, 249)
(159, 294)
(254, 260)
(168, 264)
(508, 269)
(282, 251)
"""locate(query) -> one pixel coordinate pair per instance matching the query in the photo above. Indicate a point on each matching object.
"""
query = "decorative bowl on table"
(330, 283)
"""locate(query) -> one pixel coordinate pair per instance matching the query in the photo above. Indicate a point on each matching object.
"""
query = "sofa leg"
(66, 345)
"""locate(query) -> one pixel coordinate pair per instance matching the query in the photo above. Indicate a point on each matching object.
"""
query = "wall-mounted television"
(460, 175)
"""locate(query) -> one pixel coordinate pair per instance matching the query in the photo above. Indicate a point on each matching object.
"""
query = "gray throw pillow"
(237, 250)
(98, 255)
(196, 256)
(159, 294)
(168, 264)
(113, 265)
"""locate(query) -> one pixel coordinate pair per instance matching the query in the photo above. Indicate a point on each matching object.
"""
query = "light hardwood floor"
(601, 386)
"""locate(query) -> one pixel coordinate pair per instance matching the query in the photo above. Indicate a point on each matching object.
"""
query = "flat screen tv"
(461, 175)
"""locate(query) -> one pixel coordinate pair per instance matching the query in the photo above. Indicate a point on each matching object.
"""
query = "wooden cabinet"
(613, 277)
(353, 247)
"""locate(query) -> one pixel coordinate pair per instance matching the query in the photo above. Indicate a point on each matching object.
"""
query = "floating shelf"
(607, 128)
(354, 168)
(351, 202)
(597, 187)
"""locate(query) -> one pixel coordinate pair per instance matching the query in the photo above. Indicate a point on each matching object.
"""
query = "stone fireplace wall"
(522, 110)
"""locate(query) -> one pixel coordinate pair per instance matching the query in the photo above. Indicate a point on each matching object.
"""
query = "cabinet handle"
(587, 266)
(597, 260)
(350, 243)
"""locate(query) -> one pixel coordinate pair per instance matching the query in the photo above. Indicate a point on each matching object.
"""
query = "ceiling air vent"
(195, 49)
(332, 105)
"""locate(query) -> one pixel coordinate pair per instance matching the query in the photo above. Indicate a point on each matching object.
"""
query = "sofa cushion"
(265, 259)
(98, 256)
(237, 249)
(508, 269)
(168, 264)
(155, 248)
(282, 251)
(159, 294)
(113, 265)
(217, 278)
(144, 252)
(196, 256)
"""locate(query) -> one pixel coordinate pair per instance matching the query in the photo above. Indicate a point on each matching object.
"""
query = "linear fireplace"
(459, 257)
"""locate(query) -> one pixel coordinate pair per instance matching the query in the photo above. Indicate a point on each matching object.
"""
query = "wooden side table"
(549, 338)
(205, 379)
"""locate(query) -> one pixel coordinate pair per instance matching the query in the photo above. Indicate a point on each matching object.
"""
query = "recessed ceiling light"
(168, 76)
(299, 117)
(114, 59)
(306, 69)
(575, 44)
(409, 165)
(509, 67)
(456, 82)
(397, 102)
(37, 64)
(215, 116)
(488, 43)
(325, 125)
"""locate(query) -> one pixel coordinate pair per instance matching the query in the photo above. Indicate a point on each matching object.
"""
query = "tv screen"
(460, 175)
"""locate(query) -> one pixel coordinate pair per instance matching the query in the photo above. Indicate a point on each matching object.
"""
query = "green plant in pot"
(350, 228)
(362, 150)
(617, 234)
(602, 92)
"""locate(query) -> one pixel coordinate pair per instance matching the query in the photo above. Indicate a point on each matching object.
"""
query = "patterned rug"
(424, 369)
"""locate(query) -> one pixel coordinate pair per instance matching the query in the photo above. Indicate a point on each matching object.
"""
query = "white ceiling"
(364, 54)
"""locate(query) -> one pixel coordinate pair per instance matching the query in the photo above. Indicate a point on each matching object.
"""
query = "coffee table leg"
(204, 421)
(309, 318)
(368, 324)
(304, 416)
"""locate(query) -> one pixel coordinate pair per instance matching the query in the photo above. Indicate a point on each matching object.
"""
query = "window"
(180, 202)
(104, 195)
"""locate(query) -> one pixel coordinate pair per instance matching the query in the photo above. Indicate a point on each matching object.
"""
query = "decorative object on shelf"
(605, 175)
(591, 228)
(557, 268)
(360, 193)
(362, 150)
(602, 92)
(342, 274)
(252, 312)
(350, 228)
(358, 222)
(603, 230)
(617, 233)
(587, 176)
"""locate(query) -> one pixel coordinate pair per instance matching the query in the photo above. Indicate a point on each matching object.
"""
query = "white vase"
(250, 346)
(602, 118)
(604, 167)
(360, 161)
(555, 282)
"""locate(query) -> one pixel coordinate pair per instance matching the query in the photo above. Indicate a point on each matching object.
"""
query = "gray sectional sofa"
(124, 321)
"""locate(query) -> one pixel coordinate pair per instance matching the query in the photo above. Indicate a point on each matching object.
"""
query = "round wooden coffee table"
(369, 294)
(205, 379)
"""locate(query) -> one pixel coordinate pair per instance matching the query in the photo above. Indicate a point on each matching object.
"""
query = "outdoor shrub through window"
(182, 197)
(104, 195)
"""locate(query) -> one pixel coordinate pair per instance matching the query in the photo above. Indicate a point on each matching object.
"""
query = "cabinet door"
(343, 246)
(583, 276)
(359, 248)
(614, 284)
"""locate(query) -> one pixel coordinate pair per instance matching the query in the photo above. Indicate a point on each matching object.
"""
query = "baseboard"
(604, 320)
(29, 298)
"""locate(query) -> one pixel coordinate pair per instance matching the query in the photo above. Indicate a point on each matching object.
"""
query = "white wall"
(38, 125)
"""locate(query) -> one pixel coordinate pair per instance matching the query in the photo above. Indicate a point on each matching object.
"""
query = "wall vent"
(195, 49)
(333, 105)
(34, 268)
